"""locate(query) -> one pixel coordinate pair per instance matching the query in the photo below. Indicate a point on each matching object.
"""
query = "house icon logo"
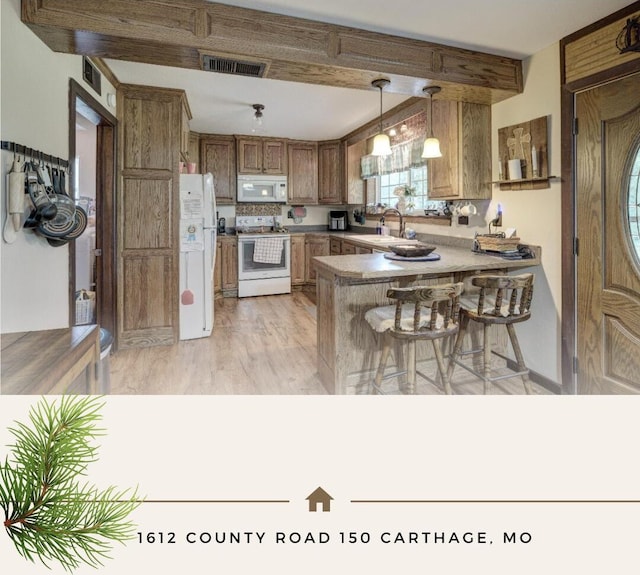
(319, 498)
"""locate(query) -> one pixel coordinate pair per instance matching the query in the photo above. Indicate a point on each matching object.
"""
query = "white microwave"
(257, 189)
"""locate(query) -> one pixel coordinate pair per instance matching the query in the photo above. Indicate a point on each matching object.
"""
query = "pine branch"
(47, 513)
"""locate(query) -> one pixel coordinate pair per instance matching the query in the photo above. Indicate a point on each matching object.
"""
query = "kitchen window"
(415, 178)
(405, 166)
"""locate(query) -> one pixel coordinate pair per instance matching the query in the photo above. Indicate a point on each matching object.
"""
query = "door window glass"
(634, 204)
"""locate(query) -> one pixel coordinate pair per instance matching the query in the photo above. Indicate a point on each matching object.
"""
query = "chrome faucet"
(401, 232)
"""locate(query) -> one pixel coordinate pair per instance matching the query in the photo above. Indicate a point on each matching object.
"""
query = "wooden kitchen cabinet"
(193, 154)
(354, 184)
(217, 270)
(348, 248)
(261, 155)
(229, 265)
(298, 259)
(330, 172)
(335, 246)
(218, 156)
(464, 171)
(351, 249)
(150, 131)
(303, 172)
(185, 133)
(315, 245)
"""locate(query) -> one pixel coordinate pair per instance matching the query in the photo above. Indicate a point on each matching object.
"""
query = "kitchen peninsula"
(349, 285)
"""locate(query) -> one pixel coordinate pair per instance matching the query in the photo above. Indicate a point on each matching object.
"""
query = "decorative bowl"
(412, 250)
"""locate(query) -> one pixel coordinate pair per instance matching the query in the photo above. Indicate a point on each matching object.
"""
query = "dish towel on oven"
(268, 250)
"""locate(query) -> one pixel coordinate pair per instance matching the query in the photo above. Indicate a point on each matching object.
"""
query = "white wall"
(537, 213)
(35, 88)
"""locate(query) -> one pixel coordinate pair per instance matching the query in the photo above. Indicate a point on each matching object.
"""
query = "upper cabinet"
(464, 171)
(303, 172)
(218, 156)
(261, 156)
(185, 134)
(330, 172)
(355, 185)
(193, 154)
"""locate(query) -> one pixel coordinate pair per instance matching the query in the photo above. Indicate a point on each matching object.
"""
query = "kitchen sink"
(378, 239)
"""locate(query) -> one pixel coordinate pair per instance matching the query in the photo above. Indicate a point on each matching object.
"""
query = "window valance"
(403, 156)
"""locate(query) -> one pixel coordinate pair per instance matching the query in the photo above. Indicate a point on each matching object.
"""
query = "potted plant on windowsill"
(405, 203)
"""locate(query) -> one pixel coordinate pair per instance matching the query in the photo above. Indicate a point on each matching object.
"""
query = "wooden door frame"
(107, 126)
(570, 247)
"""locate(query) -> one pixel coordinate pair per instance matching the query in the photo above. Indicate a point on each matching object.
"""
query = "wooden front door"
(608, 264)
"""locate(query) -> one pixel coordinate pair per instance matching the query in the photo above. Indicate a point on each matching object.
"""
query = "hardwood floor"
(262, 345)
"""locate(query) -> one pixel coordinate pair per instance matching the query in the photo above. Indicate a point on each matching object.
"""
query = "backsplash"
(258, 209)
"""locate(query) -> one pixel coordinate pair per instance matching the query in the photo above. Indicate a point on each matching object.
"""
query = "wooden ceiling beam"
(179, 32)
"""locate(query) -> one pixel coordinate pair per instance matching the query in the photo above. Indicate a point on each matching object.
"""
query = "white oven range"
(264, 256)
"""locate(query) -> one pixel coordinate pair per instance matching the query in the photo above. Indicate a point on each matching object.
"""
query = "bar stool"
(419, 313)
(502, 300)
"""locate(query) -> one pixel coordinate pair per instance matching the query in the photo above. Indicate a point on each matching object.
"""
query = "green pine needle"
(48, 514)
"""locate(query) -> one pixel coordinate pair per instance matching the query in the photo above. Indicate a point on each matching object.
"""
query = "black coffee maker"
(222, 226)
(338, 220)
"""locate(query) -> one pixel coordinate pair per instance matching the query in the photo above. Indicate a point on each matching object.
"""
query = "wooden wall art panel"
(521, 141)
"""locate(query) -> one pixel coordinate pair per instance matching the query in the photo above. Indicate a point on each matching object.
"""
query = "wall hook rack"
(33, 154)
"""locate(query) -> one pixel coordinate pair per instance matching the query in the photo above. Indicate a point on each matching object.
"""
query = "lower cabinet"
(348, 248)
(225, 276)
(217, 270)
(314, 246)
(304, 247)
(298, 259)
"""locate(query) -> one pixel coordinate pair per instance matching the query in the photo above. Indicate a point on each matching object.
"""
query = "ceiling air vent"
(237, 67)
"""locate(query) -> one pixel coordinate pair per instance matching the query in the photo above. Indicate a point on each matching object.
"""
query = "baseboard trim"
(536, 377)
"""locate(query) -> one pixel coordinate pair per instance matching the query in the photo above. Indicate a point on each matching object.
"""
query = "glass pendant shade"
(381, 145)
(257, 125)
(431, 148)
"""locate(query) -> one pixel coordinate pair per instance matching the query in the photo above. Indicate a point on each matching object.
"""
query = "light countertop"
(452, 259)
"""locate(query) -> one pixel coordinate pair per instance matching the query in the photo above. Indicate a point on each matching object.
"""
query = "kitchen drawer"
(348, 248)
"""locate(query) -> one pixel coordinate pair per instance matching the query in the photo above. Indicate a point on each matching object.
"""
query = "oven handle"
(244, 238)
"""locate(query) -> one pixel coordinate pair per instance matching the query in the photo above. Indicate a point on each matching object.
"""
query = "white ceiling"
(221, 104)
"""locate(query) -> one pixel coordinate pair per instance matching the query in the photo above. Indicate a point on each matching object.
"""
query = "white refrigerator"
(197, 254)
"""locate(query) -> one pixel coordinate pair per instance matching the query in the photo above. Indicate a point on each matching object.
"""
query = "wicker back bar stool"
(419, 313)
(502, 300)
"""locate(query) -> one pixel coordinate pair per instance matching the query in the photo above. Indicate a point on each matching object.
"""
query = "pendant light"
(431, 145)
(381, 143)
